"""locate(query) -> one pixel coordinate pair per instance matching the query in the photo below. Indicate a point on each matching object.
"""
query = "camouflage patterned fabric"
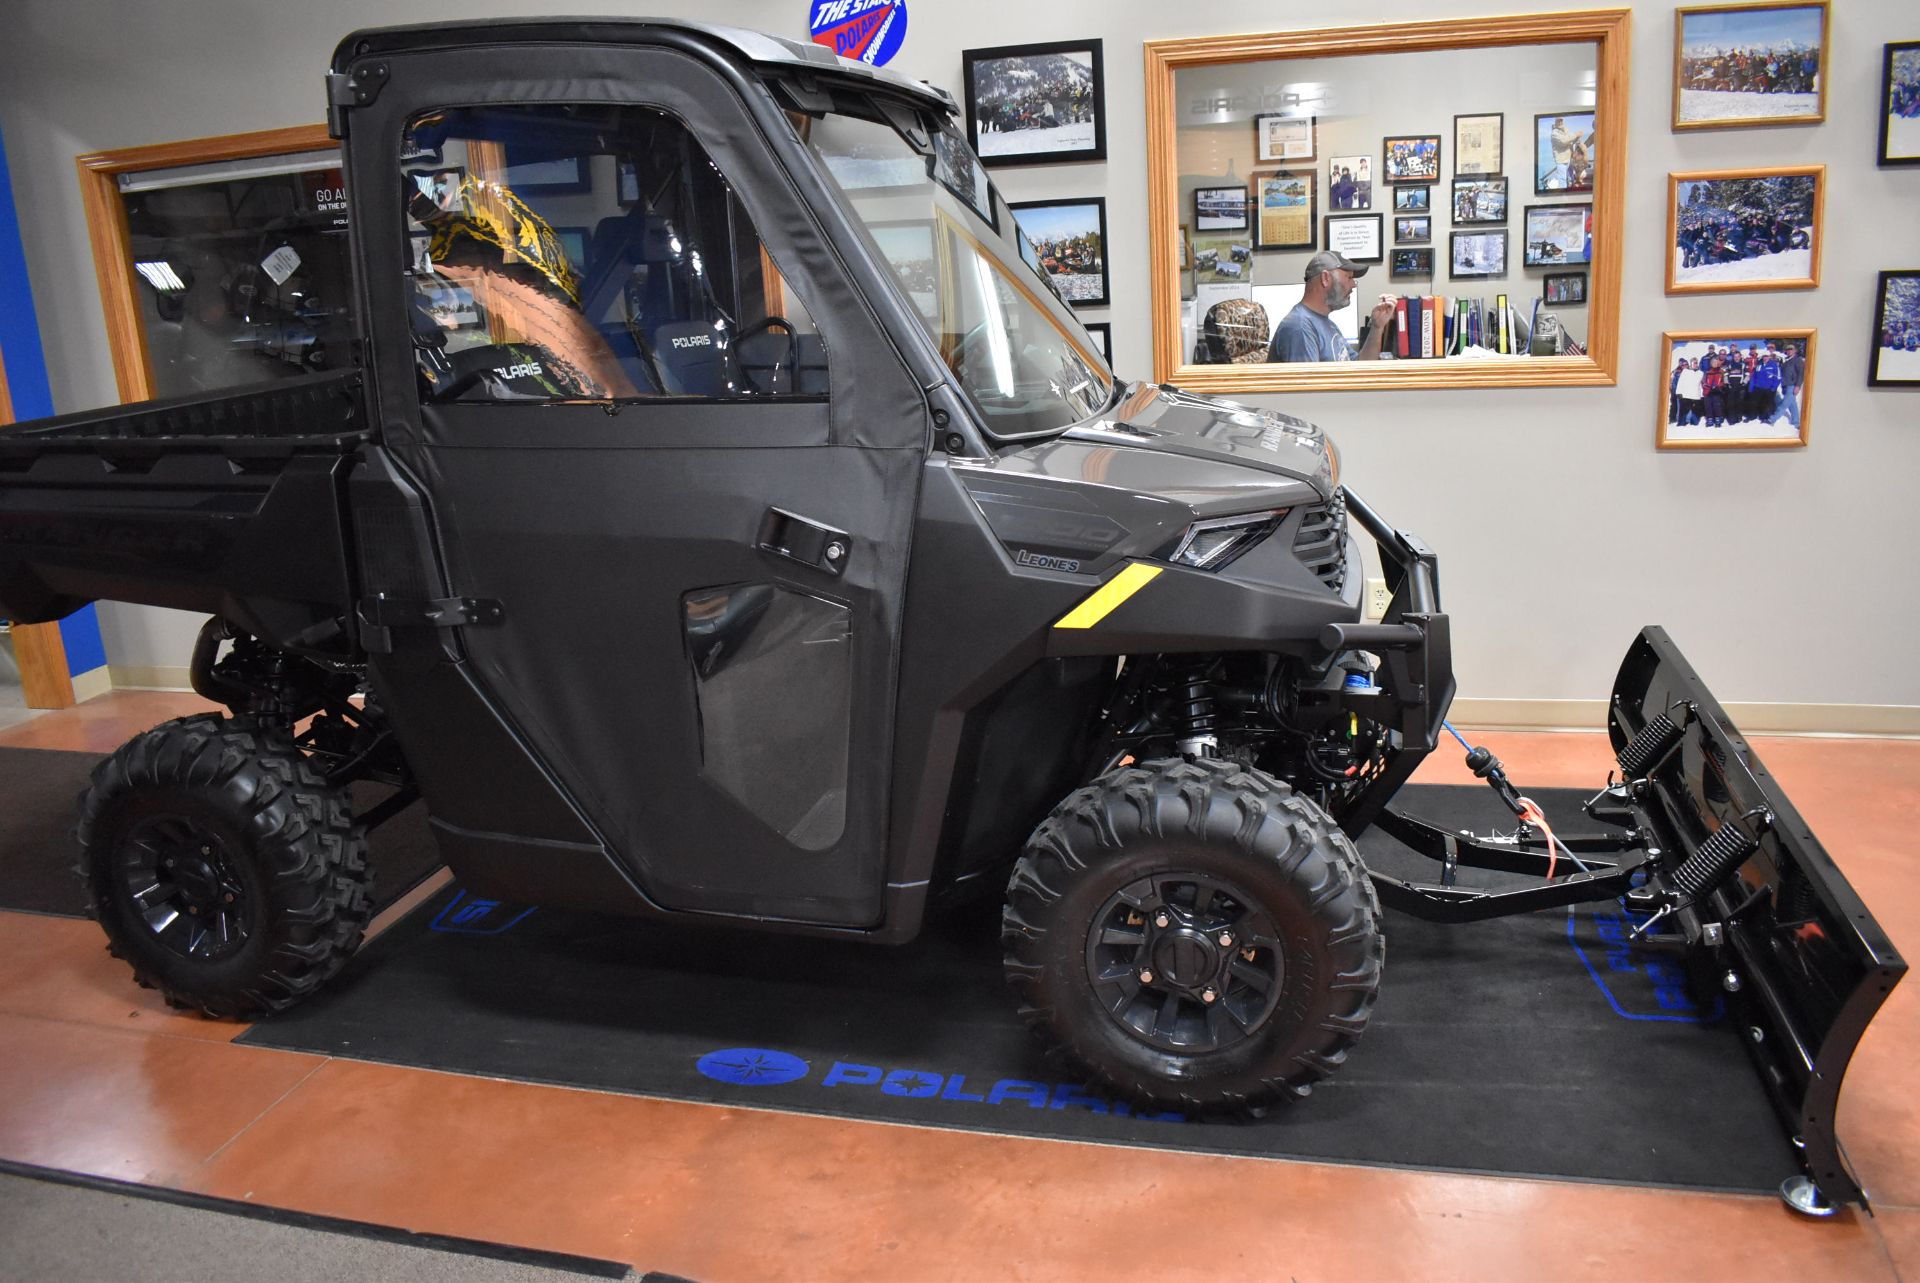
(1235, 332)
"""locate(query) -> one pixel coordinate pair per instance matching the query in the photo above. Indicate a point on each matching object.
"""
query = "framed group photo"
(1037, 104)
(1558, 235)
(1479, 145)
(1478, 254)
(1411, 159)
(1564, 289)
(1285, 211)
(1731, 230)
(1479, 200)
(1350, 182)
(1357, 236)
(1070, 239)
(1283, 138)
(1219, 209)
(1900, 105)
(1735, 389)
(1749, 64)
(1563, 153)
(1896, 332)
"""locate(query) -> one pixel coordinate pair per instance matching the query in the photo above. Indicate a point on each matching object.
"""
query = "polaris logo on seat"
(693, 340)
(525, 370)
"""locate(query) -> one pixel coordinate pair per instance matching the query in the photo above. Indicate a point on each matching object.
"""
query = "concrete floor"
(99, 1077)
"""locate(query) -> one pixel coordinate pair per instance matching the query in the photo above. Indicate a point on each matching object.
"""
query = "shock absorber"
(1197, 711)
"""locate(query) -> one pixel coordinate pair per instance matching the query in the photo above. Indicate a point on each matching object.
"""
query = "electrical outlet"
(1377, 598)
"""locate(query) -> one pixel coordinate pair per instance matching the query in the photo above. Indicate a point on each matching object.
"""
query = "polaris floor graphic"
(1517, 1046)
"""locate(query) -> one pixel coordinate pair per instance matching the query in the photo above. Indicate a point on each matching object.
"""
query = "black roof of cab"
(753, 47)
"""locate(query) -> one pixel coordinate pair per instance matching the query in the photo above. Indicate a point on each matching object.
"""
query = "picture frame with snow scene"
(1734, 230)
(1896, 332)
(1741, 65)
(1038, 104)
(1900, 105)
(1763, 399)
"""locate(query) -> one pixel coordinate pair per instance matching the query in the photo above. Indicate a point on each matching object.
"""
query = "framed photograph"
(1036, 104)
(1358, 236)
(1478, 254)
(1070, 239)
(539, 171)
(1479, 200)
(1411, 262)
(1102, 334)
(1896, 332)
(1479, 145)
(1745, 229)
(1900, 103)
(1558, 235)
(1224, 260)
(1564, 289)
(1286, 209)
(1220, 209)
(1186, 248)
(1412, 200)
(1350, 182)
(1749, 64)
(1563, 151)
(1415, 227)
(1414, 158)
(1734, 389)
(1283, 138)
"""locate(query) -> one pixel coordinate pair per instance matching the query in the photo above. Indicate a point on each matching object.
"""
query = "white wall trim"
(146, 677)
(95, 681)
(1752, 719)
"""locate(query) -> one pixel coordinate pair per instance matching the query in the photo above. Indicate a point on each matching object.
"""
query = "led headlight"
(1211, 544)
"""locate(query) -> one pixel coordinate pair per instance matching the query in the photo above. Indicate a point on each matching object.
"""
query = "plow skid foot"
(1770, 922)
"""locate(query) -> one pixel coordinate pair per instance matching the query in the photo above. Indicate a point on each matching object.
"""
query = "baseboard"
(95, 681)
(143, 677)
(1751, 718)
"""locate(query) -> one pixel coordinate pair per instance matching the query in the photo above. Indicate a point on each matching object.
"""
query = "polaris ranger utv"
(777, 550)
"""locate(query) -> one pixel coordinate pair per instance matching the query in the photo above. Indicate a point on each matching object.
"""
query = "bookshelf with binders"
(1429, 327)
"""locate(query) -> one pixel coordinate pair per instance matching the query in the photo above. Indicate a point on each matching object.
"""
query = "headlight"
(1211, 544)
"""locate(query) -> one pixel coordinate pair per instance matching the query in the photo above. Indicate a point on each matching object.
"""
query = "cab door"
(662, 439)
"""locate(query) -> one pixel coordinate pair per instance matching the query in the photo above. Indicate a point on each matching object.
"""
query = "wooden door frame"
(37, 648)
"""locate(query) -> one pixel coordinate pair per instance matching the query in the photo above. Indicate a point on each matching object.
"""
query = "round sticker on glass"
(868, 31)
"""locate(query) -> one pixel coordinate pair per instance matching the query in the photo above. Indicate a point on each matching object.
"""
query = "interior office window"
(242, 272)
(563, 252)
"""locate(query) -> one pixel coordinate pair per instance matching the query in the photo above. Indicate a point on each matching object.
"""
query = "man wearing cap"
(1308, 332)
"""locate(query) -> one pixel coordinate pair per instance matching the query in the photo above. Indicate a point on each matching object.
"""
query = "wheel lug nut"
(1161, 920)
(1146, 977)
(1226, 939)
(1208, 995)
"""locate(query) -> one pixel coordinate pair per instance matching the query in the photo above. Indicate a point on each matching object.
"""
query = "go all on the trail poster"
(870, 31)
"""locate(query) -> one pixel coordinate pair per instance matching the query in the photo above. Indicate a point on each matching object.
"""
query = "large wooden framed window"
(1385, 92)
(221, 261)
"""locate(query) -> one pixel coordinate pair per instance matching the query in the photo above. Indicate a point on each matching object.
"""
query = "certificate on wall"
(1358, 236)
(1283, 137)
(1477, 145)
(1285, 206)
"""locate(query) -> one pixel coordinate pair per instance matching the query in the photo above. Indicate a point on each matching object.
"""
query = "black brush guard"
(1705, 843)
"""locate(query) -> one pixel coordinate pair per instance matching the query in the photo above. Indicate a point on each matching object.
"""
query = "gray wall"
(1787, 576)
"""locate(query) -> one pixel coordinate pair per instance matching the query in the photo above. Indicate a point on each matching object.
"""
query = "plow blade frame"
(1802, 961)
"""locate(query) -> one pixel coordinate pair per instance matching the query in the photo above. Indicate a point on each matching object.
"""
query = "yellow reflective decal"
(1108, 596)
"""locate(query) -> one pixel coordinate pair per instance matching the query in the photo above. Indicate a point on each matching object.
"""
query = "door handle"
(801, 539)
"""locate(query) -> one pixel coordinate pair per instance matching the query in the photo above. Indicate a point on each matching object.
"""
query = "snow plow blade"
(1770, 922)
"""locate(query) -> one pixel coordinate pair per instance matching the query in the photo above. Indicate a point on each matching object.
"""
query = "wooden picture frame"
(1608, 30)
(1705, 280)
(1272, 127)
(1678, 427)
(1683, 77)
(1908, 358)
(1262, 224)
(1905, 56)
(993, 158)
(1475, 158)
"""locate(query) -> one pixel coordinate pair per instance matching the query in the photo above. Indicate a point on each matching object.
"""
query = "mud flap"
(1769, 920)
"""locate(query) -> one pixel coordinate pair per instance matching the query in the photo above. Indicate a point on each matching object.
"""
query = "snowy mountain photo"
(1036, 103)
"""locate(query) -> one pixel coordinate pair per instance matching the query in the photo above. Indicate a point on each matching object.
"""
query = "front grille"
(1321, 543)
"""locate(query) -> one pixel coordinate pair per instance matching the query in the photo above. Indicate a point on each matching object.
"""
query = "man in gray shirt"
(1308, 333)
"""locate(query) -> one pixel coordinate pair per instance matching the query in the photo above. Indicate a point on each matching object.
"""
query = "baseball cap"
(1328, 260)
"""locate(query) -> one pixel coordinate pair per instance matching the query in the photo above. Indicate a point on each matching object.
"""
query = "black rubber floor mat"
(39, 806)
(1540, 1045)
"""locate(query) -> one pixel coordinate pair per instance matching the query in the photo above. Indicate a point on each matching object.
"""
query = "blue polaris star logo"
(751, 1067)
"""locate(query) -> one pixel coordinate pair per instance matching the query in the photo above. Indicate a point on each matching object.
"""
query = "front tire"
(1195, 934)
(222, 867)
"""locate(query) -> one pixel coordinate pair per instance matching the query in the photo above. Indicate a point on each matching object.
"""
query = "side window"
(566, 253)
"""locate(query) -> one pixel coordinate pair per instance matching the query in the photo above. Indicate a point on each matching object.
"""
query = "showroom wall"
(1787, 576)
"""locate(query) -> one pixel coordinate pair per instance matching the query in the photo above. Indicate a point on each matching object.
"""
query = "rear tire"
(222, 867)
(1208, 878)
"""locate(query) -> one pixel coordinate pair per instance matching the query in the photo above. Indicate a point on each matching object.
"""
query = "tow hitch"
(1704, 844)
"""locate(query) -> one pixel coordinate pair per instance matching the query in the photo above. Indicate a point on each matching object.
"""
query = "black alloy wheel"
(184, 881)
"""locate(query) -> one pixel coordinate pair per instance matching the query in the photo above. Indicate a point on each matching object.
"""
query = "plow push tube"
(1802, 962)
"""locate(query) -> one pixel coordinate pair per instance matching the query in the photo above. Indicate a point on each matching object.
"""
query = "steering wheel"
(767, 326)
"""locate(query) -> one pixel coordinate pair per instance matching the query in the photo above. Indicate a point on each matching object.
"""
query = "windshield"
(1012, 343)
